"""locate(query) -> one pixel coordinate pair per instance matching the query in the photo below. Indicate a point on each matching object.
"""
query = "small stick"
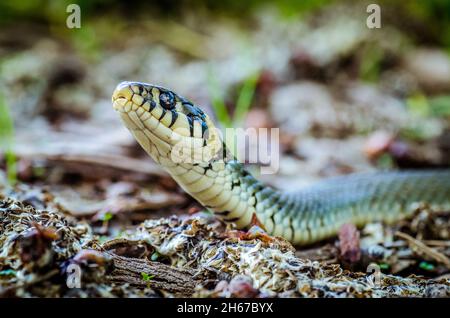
(418, 245)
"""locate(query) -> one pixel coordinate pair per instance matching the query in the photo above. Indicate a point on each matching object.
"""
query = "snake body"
(165, 124)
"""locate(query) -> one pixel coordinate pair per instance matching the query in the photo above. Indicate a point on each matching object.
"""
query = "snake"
(183, 139)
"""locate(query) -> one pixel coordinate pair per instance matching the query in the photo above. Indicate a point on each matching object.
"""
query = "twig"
(437, 243)
(421, 247)
(163, 277)
(115, 162)
(112, 161)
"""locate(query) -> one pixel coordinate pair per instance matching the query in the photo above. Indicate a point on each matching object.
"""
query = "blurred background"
(345, 97)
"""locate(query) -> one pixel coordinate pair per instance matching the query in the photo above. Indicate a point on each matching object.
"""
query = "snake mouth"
(158, 117)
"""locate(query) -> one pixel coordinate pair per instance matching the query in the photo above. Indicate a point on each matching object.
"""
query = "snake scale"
(167, 125)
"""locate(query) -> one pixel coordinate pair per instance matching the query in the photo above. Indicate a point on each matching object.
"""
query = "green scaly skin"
(155, 115)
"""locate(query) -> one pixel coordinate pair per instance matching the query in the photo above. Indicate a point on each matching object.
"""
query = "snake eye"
(167, 100)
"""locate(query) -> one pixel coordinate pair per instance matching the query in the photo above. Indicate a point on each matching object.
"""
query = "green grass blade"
(245, 98)
(218, 101)
(7, 141)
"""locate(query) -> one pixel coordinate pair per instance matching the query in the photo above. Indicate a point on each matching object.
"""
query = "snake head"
(163, 121)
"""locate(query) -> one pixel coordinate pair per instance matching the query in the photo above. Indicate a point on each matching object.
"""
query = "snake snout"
(126, 93)
(123, 90)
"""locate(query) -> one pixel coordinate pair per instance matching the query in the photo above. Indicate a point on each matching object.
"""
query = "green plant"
(218, 100)
(242, 105)
(384, 266)
(8, 272)
(418, 105)
(385, 161)
(245, 98)
(147, 277)
(371, 58)
(7, 141)
(154, 256)
(422, 107)
(107, 217)
(440, 106)
(426, 266)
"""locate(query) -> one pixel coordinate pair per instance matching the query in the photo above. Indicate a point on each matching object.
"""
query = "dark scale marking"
(235, 183)
(321, 221)
(292, 229)
(233, 219)
(205, 169)
(256, 201)
(273, 220)
(193, 110)
(224, 150)
(250, 180)
(223, 213)
(183, 100)
(245, 173)
(267, 193)
(162, 114)
(174, 118)
(259, 187)
(191, 125)
(204, 129)
(308, 229)
(152, 105)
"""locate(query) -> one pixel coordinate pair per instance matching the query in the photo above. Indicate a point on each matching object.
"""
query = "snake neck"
(224, 187)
